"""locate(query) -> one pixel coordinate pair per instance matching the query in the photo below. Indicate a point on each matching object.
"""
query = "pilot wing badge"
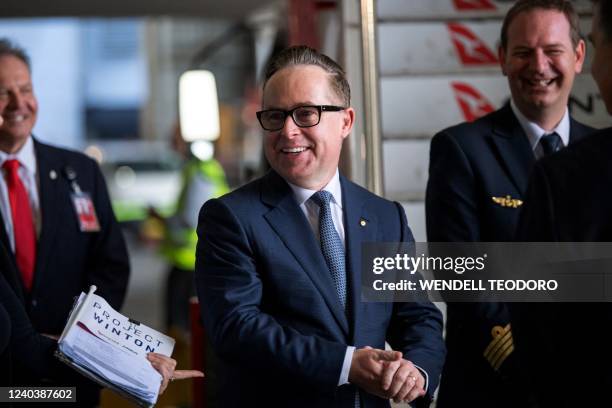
(507, 201)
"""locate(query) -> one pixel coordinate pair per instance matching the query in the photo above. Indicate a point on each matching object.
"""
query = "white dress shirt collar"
(535, 132)
(311, 209)
(28, 173)
(25, 155)
(303, 194)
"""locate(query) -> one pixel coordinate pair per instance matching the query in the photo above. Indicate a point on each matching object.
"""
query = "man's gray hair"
(9, 48)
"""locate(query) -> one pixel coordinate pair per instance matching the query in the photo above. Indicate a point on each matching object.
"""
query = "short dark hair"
(303, 55)
(605, 17)
(564, 6)
(9, 48)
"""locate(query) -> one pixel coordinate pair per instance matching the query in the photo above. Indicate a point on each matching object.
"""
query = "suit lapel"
(512, 147)
(48, 188)
(360, 226)
(290, 224)
(3, 235)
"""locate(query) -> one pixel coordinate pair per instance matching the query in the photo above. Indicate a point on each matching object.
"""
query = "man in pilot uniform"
(477, 178)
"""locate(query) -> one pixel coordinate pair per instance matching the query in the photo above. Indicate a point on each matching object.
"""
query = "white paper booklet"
(110, 348)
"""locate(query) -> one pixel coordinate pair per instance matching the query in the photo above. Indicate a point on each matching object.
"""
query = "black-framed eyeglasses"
(303, 116)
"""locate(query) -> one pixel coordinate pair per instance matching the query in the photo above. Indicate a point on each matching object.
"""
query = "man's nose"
(539, 61)
(290, 129)
(16, 101)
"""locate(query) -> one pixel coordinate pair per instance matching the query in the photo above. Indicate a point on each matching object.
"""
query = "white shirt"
(535, 132)
(29, 175)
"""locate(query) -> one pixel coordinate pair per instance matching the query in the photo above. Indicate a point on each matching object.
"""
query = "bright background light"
(202, 149)
(198, 106)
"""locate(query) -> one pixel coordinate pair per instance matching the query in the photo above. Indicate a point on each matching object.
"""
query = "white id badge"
(85, 212)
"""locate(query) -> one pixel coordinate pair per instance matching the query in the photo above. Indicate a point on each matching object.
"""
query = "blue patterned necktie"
(331, 244)
(333, 251)
(551, 143)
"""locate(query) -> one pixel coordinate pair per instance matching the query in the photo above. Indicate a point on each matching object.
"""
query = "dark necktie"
(551, 143)
(331, 244)
(23, 224)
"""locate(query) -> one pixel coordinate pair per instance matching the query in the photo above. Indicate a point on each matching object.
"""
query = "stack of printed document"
(111, 349)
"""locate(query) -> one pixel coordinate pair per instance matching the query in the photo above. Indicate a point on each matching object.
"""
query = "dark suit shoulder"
(245, 195)
(371, 202)
(60, 155)
(471, 137)
(243, 204)
(588, 156)
(480, 126)
(483, 123)
(580, 129)
(361, 193)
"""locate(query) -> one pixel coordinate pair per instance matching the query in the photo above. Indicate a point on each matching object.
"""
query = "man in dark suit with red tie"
(568, 200)
(56, 213)
(477, 180)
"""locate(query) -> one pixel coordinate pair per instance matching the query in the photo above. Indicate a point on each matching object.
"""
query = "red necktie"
(23, 225)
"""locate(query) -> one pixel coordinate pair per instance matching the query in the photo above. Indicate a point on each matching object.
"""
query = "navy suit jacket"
(25, 348)
(568, 200)
(68, 260)
(469, 165)
(270, 308)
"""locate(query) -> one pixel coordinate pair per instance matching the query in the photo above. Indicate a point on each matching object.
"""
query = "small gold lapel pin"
(507, 201)
(52, 174)
(362, 222)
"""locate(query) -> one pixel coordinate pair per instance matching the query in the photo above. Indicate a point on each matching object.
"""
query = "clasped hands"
(387, 374)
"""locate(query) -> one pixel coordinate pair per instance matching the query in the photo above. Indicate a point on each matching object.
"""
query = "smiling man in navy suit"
(57, 218)
(478, 175)
(278, 265)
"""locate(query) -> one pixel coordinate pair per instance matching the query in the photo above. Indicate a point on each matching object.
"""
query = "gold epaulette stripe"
(503, 357)
(499, 353)
(496, 345)
(500, 347)
(499, 334)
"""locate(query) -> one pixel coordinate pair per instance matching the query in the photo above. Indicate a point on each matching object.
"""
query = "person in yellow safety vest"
(203, 178)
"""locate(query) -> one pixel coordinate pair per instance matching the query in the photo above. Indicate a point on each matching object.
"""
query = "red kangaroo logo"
(472, 103)
(471, 49)
(474, 5)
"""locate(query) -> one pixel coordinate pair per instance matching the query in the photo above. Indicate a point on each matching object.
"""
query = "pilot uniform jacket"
(568, 200)
(68, 260)
(270, 308)
(478, 175)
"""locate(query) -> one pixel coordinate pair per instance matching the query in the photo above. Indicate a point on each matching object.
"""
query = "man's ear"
(580, 55)
(348, 121)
